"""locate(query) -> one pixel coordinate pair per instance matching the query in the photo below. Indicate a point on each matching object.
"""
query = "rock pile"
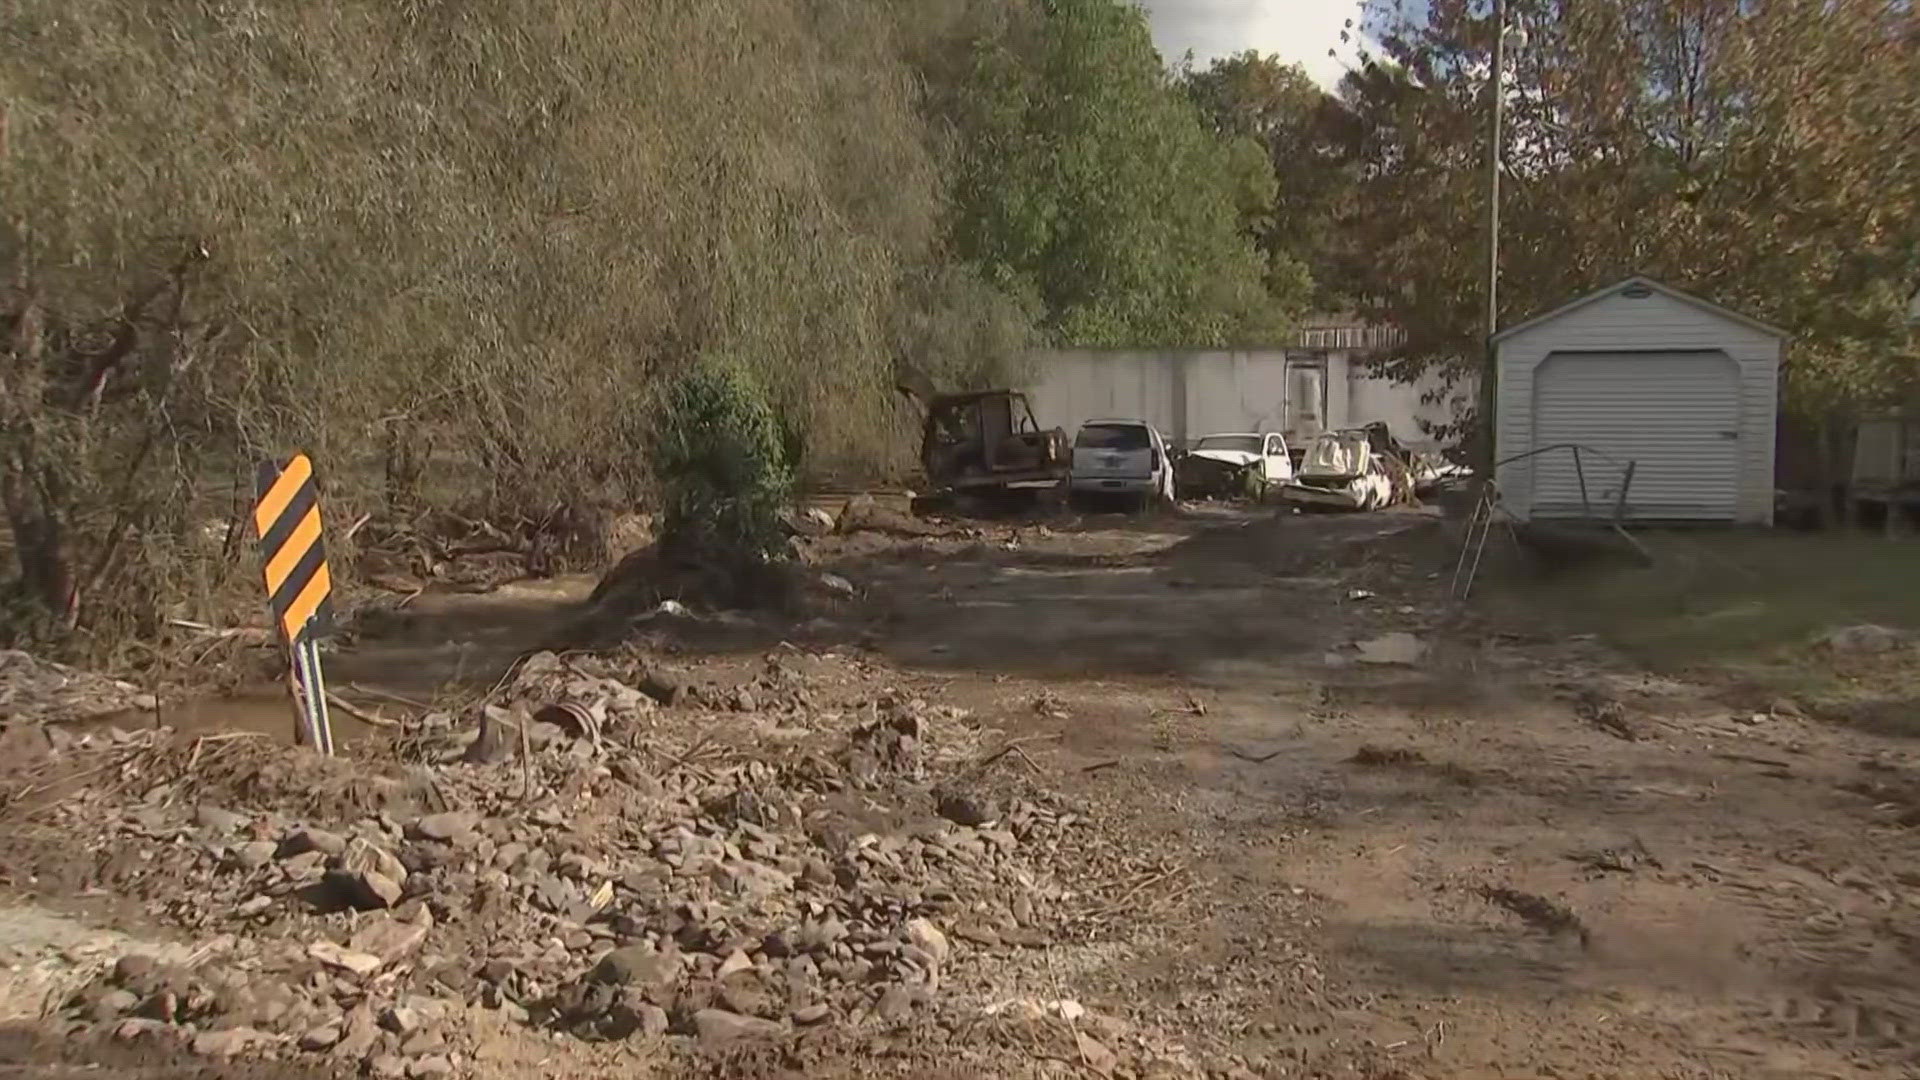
(712, 878)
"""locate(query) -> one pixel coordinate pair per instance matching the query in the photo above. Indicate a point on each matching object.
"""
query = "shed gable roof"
(1619, 286)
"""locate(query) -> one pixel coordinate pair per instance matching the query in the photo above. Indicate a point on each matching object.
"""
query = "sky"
(1295, 30)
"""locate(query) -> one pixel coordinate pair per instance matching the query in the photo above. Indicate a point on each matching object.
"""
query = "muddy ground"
(1516, 854)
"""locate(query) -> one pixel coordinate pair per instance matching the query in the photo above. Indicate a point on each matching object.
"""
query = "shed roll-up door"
(1675, 415)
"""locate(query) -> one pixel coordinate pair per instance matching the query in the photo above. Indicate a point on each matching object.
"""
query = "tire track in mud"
(1843, 971)
(1732, 953)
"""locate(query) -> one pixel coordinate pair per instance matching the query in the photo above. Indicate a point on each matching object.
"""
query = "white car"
(1340, 472)
(1121, 457)
(1230, 465)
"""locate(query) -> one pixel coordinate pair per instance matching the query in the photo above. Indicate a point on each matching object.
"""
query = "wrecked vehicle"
(987, 443)
(1341, 471)
(1122, 457)
(1411, 474)
(1432, 472)
(1233, 465)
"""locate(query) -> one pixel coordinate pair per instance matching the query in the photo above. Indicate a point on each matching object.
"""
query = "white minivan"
(1122, 457)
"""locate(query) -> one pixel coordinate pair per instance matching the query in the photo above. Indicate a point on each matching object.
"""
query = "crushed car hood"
(1336, 456)
(1226, 457)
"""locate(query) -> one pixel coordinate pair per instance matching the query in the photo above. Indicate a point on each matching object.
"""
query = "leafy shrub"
(722, 459)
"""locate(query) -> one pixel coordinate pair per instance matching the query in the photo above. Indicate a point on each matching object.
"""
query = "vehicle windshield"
(1112, 437)
(1247, 444)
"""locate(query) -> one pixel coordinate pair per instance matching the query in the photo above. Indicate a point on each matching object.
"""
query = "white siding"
(1674, 416)
(1656, 323)
(1187, 394)
(1405, 406)
(1071, 388)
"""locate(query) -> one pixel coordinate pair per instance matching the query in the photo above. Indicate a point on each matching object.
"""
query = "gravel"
(648, 873)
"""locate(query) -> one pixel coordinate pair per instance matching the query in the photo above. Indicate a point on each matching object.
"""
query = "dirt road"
(1514, 855)
(1735, 906)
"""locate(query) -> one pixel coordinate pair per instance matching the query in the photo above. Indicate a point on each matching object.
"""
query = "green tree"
(1760, 154)
(1258, 100)
(1083, 178)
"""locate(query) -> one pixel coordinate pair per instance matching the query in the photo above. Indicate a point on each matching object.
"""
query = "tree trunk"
(43, 545)
(403, 469)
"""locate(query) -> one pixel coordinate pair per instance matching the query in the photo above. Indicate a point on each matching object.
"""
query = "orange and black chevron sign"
(287, 517)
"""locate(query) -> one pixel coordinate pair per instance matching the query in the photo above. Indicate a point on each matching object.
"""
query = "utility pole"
(1496, 102)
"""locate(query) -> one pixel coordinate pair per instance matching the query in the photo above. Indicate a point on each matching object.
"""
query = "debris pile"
(569, 856)
(41, 690)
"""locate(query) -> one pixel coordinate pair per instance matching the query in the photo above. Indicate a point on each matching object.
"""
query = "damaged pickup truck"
(1233, 466)
(987, 445)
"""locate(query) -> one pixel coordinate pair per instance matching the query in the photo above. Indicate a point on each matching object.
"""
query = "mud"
(1552, 863)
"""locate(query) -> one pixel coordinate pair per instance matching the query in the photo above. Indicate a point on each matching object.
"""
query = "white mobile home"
(1671, 401)
(1321, 381)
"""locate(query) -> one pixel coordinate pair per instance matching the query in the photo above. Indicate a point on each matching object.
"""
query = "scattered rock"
(452, 827)
(216, 819)
(1604, 713)
(359, 1035)
(733, 896)
(114, 1004)
(500, 736)
(662, 688)
(344, 959)
(254, 855)
(929, 938)
(1866, 639)
(977, 933)
(369, 877)
(896, 1002)
(304, 841)
(387, 938)
(139, 1029)
(1372, 755)
(719, 1028)
(1398, 647)
(963, 808)
(228, 1042)
(734, 964)
(135, 971)
(323, 1037)
(636, 965)
(1026, 937)
(421, 1043)
(400, 1020)
(654, 1021)
(1095, 1055)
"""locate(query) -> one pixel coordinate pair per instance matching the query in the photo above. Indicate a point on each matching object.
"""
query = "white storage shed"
(1665, 394)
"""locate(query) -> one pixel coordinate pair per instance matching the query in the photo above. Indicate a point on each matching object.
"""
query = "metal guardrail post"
(1580, 471)
(1620, 504)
